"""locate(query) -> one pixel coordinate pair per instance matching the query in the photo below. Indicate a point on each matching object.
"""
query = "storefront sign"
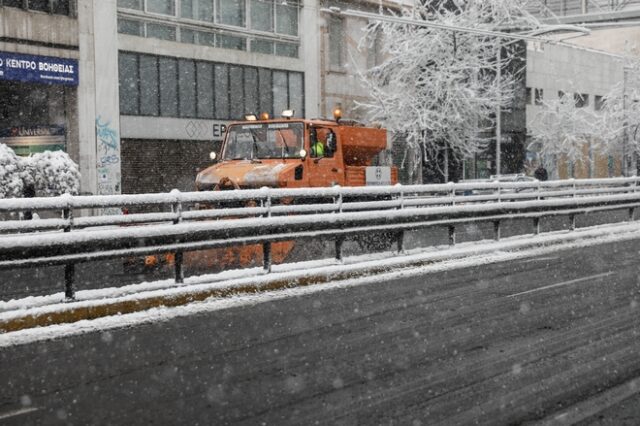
(25, 140)
(38, 69)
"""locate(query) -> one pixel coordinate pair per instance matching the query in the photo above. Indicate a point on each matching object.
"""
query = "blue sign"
(38, 69)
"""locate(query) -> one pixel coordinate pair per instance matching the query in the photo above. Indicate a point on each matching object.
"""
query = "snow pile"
(11, 173)
(49, 173)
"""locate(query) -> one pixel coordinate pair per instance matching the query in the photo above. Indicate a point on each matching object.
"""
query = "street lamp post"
(499, 109)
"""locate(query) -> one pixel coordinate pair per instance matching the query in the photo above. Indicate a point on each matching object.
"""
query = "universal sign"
(38, 69)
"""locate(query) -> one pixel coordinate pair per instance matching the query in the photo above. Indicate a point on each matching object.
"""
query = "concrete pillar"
(98, 99)
(310, 34)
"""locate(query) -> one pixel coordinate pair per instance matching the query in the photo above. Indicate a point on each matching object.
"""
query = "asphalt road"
(21, 283)
(508, 343)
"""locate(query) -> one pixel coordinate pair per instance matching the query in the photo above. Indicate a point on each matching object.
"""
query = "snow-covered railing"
(269, 201)
(266, 216)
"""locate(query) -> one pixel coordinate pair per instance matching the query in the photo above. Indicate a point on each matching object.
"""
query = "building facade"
(139, 92)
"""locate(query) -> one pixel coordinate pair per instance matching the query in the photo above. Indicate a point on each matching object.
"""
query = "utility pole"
(499, 108)
(625, 125)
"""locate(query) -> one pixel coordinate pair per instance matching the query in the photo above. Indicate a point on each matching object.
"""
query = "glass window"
(201, 10)
(130, 4)
(188, 9)
(262, 15)
(231, 12)
(231, 42)
(168, 87)
(149, 85)
(41, 5)
(295, 93)
(287, 18)
(374, 53)
(280, 96)
(207, 39)
(262, 46)
(581, 100)
(221, 91)
(187, 88)
(287, 49)
(336, 42)
(187, 36)
(165, 7)
(251, 90)
(265, 88)
(205, 90)
(127, 26)
(60, 7)
(538, 98)
(236, 89)
(197, 37)
(598, 102)
(528, 95)
(163, 32)
(128, 84)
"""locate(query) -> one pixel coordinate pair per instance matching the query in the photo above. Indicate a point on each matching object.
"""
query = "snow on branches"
(11, 182)
(611, 128)
(49, 173)
(562, 128)
(439, 86)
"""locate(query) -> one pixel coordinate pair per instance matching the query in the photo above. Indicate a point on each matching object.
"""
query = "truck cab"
(283, 153)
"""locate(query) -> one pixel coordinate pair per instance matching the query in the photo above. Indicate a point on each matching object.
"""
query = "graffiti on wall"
(108, 141)
(108, 164)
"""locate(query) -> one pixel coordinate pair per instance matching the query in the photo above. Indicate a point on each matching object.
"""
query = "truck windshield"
(263, 141)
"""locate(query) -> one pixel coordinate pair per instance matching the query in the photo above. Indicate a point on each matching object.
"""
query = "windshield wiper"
(255, 146)
(286, 145)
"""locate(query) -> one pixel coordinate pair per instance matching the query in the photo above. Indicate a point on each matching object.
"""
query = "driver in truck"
(317, 146)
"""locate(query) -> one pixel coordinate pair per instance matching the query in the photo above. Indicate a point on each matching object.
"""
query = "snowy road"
(552, 338)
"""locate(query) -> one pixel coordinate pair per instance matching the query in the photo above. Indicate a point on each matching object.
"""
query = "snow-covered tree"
(620, 119)
(562, 128)
(612, 128)
(11, 173)
(53, 173)
(50, 173)
(439, 86)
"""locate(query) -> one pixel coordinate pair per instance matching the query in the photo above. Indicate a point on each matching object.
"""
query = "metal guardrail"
(202, 220)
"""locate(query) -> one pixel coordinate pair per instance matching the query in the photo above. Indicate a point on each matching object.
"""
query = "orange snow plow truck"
(288, 153)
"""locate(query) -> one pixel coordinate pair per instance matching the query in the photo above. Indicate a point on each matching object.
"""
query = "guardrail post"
(178, 256)
(266, 256)
(539, 190)
(632, 214)
(401, 198)
(400, 241)
(69, 268)
(453, 194)
(339, 243)
(536, 225)
(496, 230)
(572, 222)
(452, 235)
